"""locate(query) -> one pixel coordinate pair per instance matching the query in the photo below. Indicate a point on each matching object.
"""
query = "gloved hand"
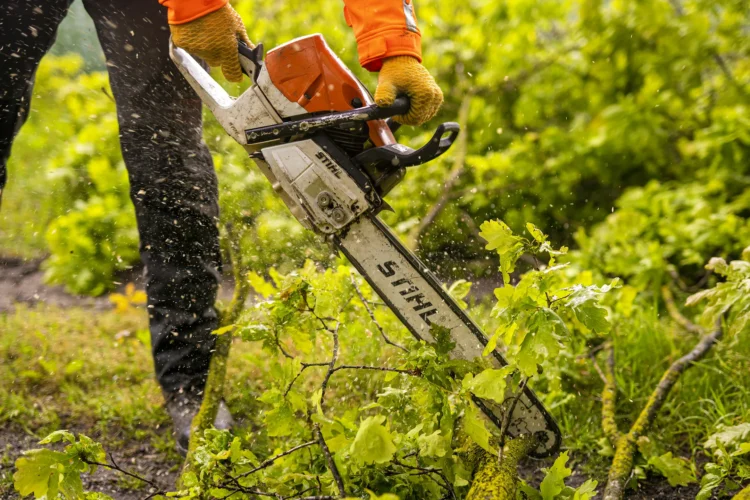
(404, 75)
(213, 38)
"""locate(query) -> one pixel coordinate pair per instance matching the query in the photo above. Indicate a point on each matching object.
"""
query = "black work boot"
(182, 407)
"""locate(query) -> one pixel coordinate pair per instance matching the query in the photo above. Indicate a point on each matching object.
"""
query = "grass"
(714, 391)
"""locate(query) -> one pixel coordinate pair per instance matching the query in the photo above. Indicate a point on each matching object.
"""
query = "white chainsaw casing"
(319, 193)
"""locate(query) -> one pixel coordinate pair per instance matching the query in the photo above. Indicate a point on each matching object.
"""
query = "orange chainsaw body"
(307, 71)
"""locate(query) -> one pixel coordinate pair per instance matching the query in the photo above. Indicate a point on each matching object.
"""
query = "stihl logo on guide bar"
(329, 164)
(410, 291)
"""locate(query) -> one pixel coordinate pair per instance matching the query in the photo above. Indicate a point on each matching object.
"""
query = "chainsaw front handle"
(337, 119)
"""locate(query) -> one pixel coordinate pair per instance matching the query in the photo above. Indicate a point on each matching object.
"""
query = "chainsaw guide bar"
(315, 133)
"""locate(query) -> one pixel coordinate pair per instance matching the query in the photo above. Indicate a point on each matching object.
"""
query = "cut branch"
(675, 313)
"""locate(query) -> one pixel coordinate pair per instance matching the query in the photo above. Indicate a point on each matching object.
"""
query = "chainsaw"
(330, 153)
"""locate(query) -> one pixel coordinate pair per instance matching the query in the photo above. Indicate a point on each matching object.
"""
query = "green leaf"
(535, 232)
(223, 330)
(473, 424)
(373, 443)
(459, 290)
(443, 341)
(540, 342)
(677, 470)
(729, 437)
(489, 384)
(43, 472)
(74, 367)
(586, 491)
(743, 449)
(554, 482)
(59, 436)
(584, 302)
(509, 247)
(433, 445)
(260, 285)
(280, 421)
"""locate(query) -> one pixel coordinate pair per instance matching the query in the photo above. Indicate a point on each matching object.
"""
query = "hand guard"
(404, 75)
(213, 38)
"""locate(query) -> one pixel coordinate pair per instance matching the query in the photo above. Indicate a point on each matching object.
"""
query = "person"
(172, 181)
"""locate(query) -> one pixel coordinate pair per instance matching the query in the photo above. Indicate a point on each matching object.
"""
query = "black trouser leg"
(173, 186)
(27, 31)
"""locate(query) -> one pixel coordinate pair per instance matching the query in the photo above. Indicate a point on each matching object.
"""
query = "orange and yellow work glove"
(405, 75)
(213, 38)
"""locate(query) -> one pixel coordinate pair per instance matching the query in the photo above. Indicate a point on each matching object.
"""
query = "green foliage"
(730, 464)
(553, 485)
(546, 307)
(53, 474)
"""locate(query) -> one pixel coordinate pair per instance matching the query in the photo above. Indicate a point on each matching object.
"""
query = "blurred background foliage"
(620, 128)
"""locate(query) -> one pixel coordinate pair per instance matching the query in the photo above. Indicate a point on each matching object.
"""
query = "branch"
(431, 470)
(372, 317)
(413, 373)
(331, 365)
(609, 399)
(116, 467)
(622, 463)
(675, 313)
(329, 460)
(270, 461)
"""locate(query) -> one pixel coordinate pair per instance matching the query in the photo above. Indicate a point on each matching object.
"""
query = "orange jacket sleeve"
(383, 28)
(184, 11)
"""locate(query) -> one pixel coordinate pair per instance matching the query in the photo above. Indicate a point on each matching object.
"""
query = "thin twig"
(331, 364)
(431, 470)
(372, 317)
(115, 466)
(270, 461)
(377, 368)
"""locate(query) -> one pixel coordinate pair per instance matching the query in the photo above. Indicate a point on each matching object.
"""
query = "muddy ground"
(137, 458)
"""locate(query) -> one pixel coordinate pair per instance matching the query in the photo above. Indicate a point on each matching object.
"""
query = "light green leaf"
(373, 443)
(728, 437)
(489, 384)
(459, 290)
(223, 330)
(74, 367)
(260, 285)
(509, 247)
(677, 470)
(535, 232)
(554, 482)
(743, 449)
(59, 436)
(433, 445)
(43, 472)
(473, 424)
(586, 491)
(280, 421)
